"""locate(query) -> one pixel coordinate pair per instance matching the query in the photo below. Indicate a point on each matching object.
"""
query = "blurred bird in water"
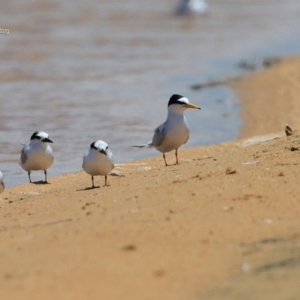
(191, 6)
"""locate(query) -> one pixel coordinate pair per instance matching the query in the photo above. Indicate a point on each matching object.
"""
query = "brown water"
(87, 70)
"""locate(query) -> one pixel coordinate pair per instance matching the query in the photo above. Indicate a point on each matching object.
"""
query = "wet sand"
(223, 224)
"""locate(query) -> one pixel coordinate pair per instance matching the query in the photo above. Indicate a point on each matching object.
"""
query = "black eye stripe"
(37, 138)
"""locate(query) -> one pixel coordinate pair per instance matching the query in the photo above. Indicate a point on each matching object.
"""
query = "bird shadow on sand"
(40, 182)
(89, 188)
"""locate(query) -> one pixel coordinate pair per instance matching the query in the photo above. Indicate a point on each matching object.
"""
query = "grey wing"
(23, 155)
(159, 135)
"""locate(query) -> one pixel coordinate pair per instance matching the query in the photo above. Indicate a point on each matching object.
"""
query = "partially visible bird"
(191, 6)
(37, 154)
(174, 132)
(288, 130)
(2, 186)
(98, 160)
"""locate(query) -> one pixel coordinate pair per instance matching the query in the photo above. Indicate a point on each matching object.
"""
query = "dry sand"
(223, 224)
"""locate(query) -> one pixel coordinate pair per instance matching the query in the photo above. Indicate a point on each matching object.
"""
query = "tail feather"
(140, 146)
(148, 145)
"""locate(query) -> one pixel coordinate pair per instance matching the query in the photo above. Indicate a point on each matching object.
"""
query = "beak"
(103, 151)
(191, 105)
(47, 140)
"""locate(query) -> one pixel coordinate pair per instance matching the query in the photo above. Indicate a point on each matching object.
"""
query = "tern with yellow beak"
(174, 132)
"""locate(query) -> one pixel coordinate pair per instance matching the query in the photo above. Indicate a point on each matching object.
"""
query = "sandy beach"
(223, 224)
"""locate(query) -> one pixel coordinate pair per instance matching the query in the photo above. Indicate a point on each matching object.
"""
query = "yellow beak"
(191, 105)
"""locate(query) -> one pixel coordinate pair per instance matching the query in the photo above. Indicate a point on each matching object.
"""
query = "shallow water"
(87, 70)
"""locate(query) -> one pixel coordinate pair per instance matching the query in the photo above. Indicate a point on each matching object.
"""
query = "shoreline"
(223, 224)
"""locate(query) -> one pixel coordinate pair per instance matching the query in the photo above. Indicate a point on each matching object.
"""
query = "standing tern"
(37, 154)
(2, 186)
(98, 160)
(174, 132)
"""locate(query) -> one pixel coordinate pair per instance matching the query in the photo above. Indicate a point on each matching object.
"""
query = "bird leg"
(93, 182)
(165, 159)
(176, 155)
(45, 172)
(29, 177)
(106, 184)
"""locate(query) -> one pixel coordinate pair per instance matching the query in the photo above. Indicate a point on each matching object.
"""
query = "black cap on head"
(174, 99)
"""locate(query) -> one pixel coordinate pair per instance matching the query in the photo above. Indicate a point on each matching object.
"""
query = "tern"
(2, 186)
(98, 160)
(37, 154)
(174, 132)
